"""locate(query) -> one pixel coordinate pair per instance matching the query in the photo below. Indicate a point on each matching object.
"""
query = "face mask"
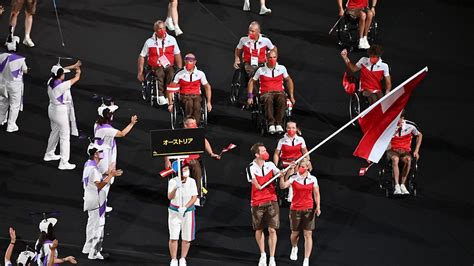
(101, 155)
(272, 61)
(193, 125)
(265, 156)
(301, 170)
(253, 36)
(189, 66)
(291, 132)
(185, 173)
(374, 60)
(161, 33)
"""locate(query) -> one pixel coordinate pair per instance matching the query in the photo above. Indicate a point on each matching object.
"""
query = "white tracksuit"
(62, 117)
(105, 135)
(12, 67)
(94, 204)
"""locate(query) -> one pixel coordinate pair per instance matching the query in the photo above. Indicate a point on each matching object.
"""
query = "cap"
(112, 108)
(44, 224)
(93, 148)
(25, 256)
(56, 68)
(174, 165)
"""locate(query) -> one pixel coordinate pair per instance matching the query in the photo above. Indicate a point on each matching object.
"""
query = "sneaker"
(246, 5)
(404, 190)
(174, 262)
(263, 260)
(97, 256)
(363, 43)
(306, 262)
(182, 262)
(66, 166)
(264, 11)
(279, 129)
(272, 262)
(12, 128)
(85, 251)
(271, 129)
(294, 253)
(108, 209)
(12, 43)
(162, 100)
(28, 42)
(51, 157)
(397, 190)
(177, 30)
(169, 23)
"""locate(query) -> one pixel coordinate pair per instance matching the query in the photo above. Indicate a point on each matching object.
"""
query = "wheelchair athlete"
(359, 9)
(163, 53)
(188, 83)
(400, 148)
(272, 94)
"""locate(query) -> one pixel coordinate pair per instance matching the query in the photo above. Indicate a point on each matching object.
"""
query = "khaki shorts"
(302, 220)
(266, 215)
(398, 153)
(30, 6)
(355, 12)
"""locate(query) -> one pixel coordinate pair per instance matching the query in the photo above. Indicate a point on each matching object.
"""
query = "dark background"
(358, 225)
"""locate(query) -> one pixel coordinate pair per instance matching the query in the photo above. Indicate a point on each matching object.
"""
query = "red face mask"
(253, 36)
(374, 60)
(265, 156)
(193, 125)
(189, 66)
(161, 33)
(301, 170)
(291, 132)
(272, 61)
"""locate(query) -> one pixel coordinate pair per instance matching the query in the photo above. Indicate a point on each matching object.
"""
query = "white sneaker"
(294, 253)
(162, 100)
(279, 129)
(271, 129)
(66, 166)
(306, 262)
(169, 23)
(177, 30)
(174, 262)
(86, 251)
(363, 43)
(97, 256)
(51, 157)
(246, 5)
(264, 11)
(263, 260)
(404, 190)
(182, 262)
(272, 262)
(28, 42)
(397, 190)
(108, 209)
(12, 128)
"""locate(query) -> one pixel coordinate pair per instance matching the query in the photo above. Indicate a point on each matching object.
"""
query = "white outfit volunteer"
(12, 67)
(94, 204)
(63, 119)
(44, 254)
(23, 258)
(177, 222)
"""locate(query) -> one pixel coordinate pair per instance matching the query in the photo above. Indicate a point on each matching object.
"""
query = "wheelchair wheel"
(354, 106)
(147, 85)
(204, 112)
(174, 112)
(372, 35)
(347, 32)
(154, 93)
(235, 86)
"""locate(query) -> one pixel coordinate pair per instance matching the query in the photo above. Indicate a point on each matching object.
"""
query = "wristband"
(249, 95)
(12, 243)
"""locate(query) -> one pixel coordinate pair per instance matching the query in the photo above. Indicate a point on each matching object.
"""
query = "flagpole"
(425, 69)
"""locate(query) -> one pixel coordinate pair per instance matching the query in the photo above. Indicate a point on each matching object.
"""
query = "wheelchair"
(238, 87)
(150, 88)
(203, 193)
(177, 115)
(257, 110)
(348, 32)
(386, 176)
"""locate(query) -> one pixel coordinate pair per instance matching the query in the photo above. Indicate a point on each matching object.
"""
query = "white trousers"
(94, 233)
(60, 131)
(11, 101)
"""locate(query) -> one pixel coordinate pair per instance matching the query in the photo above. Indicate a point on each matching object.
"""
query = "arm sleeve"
(386, 71)
(176, 48)
(171, 185)
(144, 51)
(204, 79)
(315, 184)
(61, 88)
(256, 76)
(176, 77)
(280, 143)
(303, 143)
(240, 44)
(194, 190)
(415, 131)
(360, 62)
(110, 132)
(285, 72)
(24, 67)
(270, 44)
(250, 175)
(96, 176)
(275, 169)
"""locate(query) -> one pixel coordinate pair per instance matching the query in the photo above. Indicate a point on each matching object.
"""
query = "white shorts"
(186, 225)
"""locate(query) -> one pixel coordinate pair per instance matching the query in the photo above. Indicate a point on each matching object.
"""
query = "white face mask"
(185, 173)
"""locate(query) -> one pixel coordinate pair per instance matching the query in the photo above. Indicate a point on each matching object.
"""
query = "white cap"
(56, 68)
(112, 108)
(25, 256)
(43, 226)
(93, 148)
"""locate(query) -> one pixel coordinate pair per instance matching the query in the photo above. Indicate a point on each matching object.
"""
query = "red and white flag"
(166, 172)
(380, 123)
(228, 148)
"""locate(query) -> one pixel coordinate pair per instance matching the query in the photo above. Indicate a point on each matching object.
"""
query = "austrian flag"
(380, 121)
